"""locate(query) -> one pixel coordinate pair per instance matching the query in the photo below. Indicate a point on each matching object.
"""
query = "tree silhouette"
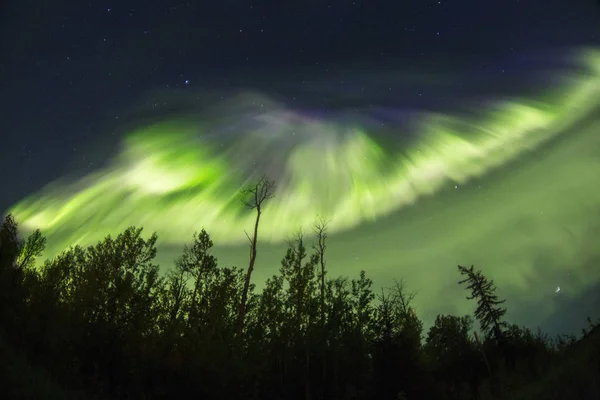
(10, 243)
(397, 361)
(320, 230)
(488, 312)
(301, 302)
(453, 356)
(31, 249)
(17, 277)
(101, 322)
(255, 198)
(197, 262)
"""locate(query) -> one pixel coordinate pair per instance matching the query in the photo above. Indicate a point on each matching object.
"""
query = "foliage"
(488, 312)
(102, 322)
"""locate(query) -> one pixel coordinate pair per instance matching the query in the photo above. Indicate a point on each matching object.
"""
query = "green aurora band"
(526, 169)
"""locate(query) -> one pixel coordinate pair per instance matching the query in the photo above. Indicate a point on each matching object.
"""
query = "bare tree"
(320, 230)
(253, 198)
(403, 298)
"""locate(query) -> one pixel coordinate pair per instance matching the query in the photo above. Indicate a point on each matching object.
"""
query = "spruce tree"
(489, 313)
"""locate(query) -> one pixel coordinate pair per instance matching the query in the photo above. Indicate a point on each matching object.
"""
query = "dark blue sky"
(70, 68)
(71, 71)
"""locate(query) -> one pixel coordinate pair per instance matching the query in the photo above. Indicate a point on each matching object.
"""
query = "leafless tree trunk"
(254, 199)
(320, 230)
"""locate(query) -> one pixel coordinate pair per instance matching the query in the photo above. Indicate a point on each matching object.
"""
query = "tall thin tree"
(320, 230)
(489, 313)
(254, 199)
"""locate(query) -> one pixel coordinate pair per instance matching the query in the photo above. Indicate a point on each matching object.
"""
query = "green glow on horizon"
(169, 183)
(527, 172)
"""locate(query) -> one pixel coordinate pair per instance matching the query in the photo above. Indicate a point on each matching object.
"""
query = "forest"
(104, 322)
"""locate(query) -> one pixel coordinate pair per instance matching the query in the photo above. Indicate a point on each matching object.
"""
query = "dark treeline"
(102, 323)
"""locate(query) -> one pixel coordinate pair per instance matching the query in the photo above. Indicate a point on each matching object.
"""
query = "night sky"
(430, 133)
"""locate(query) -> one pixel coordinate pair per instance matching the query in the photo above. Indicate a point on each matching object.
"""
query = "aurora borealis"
(508, 185)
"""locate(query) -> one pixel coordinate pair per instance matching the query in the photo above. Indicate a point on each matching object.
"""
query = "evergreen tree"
(100, 320)
(489, 313)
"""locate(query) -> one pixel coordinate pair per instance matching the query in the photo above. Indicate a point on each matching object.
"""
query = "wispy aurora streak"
(171, 179)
